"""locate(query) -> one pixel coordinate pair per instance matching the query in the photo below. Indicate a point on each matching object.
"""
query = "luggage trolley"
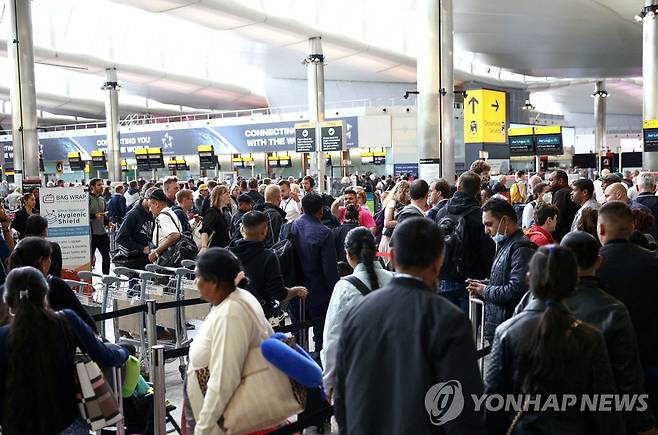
(185, 288)
(88, 293)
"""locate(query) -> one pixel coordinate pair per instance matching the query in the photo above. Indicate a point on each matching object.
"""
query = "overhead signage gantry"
(532, 141)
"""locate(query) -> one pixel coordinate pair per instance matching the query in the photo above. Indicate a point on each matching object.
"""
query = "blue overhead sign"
(229, 139)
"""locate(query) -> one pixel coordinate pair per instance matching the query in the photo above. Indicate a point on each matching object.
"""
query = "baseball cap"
(244, 198)
(158, 195)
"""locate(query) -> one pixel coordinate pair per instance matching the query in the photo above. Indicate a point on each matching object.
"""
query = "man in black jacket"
(591, 304)
(507, 282)
(561, 190)
(261, 265)
(252, 184)
(245, 205)
(391, 369)
(136, 230)
(276, 217)
(630, 273)
(473, 253)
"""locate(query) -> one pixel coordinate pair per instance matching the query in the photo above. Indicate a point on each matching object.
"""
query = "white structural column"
(427, 76)
(650, 72)
(22, 93)
(600, 96)
(315, 75)
(112, 120)
(447, 93)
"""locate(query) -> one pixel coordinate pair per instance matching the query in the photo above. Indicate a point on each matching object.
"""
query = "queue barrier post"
(151, 331)
(117, 387)
(303, 334)
(475, 325)
(159, 406)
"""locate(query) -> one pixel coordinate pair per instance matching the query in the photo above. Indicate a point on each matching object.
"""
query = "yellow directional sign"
(521, 131)
(485, 116)
(550, 129)
(650, 123)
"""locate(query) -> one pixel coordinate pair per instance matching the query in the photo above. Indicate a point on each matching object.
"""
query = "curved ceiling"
(215, 54)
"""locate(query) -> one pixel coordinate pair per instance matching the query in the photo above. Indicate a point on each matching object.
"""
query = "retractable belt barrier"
(142, 308)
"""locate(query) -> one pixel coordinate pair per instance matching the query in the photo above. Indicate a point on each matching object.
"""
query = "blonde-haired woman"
(397, 198)
(215, 228)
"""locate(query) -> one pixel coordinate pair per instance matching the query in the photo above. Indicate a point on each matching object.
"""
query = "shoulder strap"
(263, 332)
(356, 282)
(175, 221)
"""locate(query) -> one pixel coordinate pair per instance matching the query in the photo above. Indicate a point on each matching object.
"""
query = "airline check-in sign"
(485, 116)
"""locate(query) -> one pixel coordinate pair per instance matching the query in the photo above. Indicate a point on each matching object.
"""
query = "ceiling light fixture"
(602, 94)
(528, 106)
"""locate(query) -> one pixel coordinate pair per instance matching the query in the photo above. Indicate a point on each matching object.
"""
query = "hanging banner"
(179, 138)
(67, 211)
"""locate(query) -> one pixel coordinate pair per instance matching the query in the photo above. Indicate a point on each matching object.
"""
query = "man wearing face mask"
(507, 281)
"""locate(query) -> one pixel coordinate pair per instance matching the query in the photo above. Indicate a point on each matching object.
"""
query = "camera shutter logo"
(444, 402)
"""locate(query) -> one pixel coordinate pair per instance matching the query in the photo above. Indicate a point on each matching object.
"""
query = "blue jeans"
(455, 292)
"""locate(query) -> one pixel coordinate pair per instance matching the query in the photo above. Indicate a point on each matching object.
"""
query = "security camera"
(384, 110)
(407, 110)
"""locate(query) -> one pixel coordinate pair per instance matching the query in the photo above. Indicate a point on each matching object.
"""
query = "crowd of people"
(565, 269)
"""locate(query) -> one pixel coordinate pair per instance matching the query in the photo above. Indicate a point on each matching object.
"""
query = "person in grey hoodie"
(98, 220)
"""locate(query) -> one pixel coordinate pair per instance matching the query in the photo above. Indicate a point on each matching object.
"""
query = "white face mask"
(547, 197)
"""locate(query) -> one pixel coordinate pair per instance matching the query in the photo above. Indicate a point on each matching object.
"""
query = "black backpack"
(284, 250)
(453, 226)
(407, 212)
(379, 217)
(184, 249)
(379, 225)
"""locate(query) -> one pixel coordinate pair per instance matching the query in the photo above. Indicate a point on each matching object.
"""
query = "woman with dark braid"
(369, 275)
(545, 351)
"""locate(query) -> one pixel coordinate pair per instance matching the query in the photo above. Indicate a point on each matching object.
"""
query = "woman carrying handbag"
(37, 381)
(225, 358)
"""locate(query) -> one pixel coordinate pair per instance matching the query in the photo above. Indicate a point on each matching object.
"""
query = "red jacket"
(539, 236)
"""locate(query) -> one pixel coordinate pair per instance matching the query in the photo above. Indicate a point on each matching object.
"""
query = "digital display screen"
(521, 146)
(651, 139)
(548, 144)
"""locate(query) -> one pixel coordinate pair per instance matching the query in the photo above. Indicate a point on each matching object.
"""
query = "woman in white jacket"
(368, 275)
(235, 325)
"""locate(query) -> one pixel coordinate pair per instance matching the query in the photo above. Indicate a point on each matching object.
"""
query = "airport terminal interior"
(311, 216)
